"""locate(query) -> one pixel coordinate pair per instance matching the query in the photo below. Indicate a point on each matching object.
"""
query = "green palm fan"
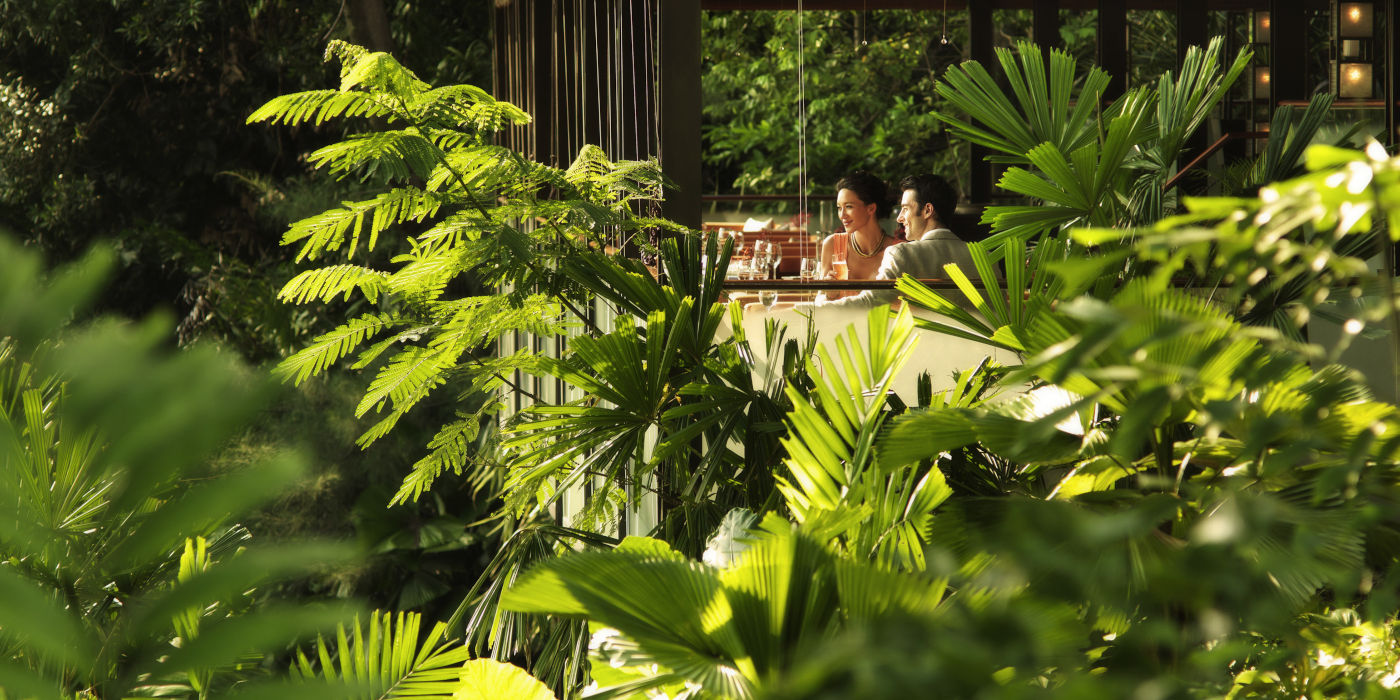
(385, 659)
(834, 485)
(729, 631)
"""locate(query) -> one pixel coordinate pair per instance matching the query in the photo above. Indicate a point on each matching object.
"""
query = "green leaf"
(488, 679)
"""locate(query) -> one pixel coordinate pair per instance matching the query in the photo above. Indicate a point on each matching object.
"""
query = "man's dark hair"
(870, 189)
(932, 189)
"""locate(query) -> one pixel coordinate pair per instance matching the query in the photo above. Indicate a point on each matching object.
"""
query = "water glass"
(808, 269)
(768, 298)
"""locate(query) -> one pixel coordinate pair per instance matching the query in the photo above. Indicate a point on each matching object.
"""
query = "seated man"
(924, 206)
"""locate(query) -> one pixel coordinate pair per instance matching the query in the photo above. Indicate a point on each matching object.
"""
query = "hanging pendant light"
(945, 54)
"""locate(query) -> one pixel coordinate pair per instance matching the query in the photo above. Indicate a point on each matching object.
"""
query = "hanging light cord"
(944, 40)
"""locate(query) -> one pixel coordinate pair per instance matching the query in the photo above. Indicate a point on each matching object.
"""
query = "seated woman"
(860, 203)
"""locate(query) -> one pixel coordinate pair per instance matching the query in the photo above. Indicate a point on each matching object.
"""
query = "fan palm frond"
(385, 659)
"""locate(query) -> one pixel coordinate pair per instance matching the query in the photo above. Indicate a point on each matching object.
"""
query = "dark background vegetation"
(124, 122)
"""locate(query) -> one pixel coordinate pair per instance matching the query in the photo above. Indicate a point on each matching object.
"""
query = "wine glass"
(762, 255)
(775, 257)
(768, 297)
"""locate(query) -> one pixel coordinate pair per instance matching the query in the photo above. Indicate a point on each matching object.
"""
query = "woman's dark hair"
(870, 189)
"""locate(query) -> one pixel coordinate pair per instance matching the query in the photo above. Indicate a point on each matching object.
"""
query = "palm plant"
(1083, 169)
(726, 631)
(1208, 432)
(833, 486)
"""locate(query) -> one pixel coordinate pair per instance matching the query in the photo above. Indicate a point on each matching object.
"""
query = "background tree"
(122, 121)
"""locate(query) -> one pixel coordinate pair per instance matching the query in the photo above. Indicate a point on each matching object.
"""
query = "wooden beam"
(1190, 26)
(680, 109)
(1045, 24)
(1390, 33)
(980, 49)
(1111, 51)
(1289, 32)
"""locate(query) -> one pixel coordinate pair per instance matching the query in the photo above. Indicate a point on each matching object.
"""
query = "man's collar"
(936, 234)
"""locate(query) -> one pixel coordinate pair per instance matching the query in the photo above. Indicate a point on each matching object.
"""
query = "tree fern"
(326, 283)
(395, 155)
(329, 348)
(318, 106)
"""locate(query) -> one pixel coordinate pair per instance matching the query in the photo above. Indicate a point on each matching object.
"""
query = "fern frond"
(450, 450)
(317, 106)
(408, 377)
(327, 230)
(454, 230)
(327, 282)
(380, 429)
(347, 53)
(456, 95)
(328, 348)
(590, 164)
(477, 321)
(494, 116)
(404, 204)
(372, 353)
(475, 168)
(379, 71)
(399, 154)
(427, 270)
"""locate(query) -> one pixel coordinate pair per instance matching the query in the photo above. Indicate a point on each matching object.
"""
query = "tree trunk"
(369, 25)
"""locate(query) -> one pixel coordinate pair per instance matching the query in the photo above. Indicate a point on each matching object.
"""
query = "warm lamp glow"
(1261, 27)
(1355, 20)
(1261, 83)
(1354, 79)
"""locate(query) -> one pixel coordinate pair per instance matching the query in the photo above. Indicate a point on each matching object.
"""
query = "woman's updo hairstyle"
(870, 189)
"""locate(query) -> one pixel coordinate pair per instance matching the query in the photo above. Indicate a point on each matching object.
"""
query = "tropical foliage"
(1172, 493)
(123, 123)
(1216, 517)
(655, 399)
(125, 570)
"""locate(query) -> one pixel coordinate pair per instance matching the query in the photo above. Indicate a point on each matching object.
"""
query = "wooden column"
(1390, 34)
(1191, 31)
(1045, 24)
(980, 49)
(680, 109)
(1111, 53)
(1288, 74)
